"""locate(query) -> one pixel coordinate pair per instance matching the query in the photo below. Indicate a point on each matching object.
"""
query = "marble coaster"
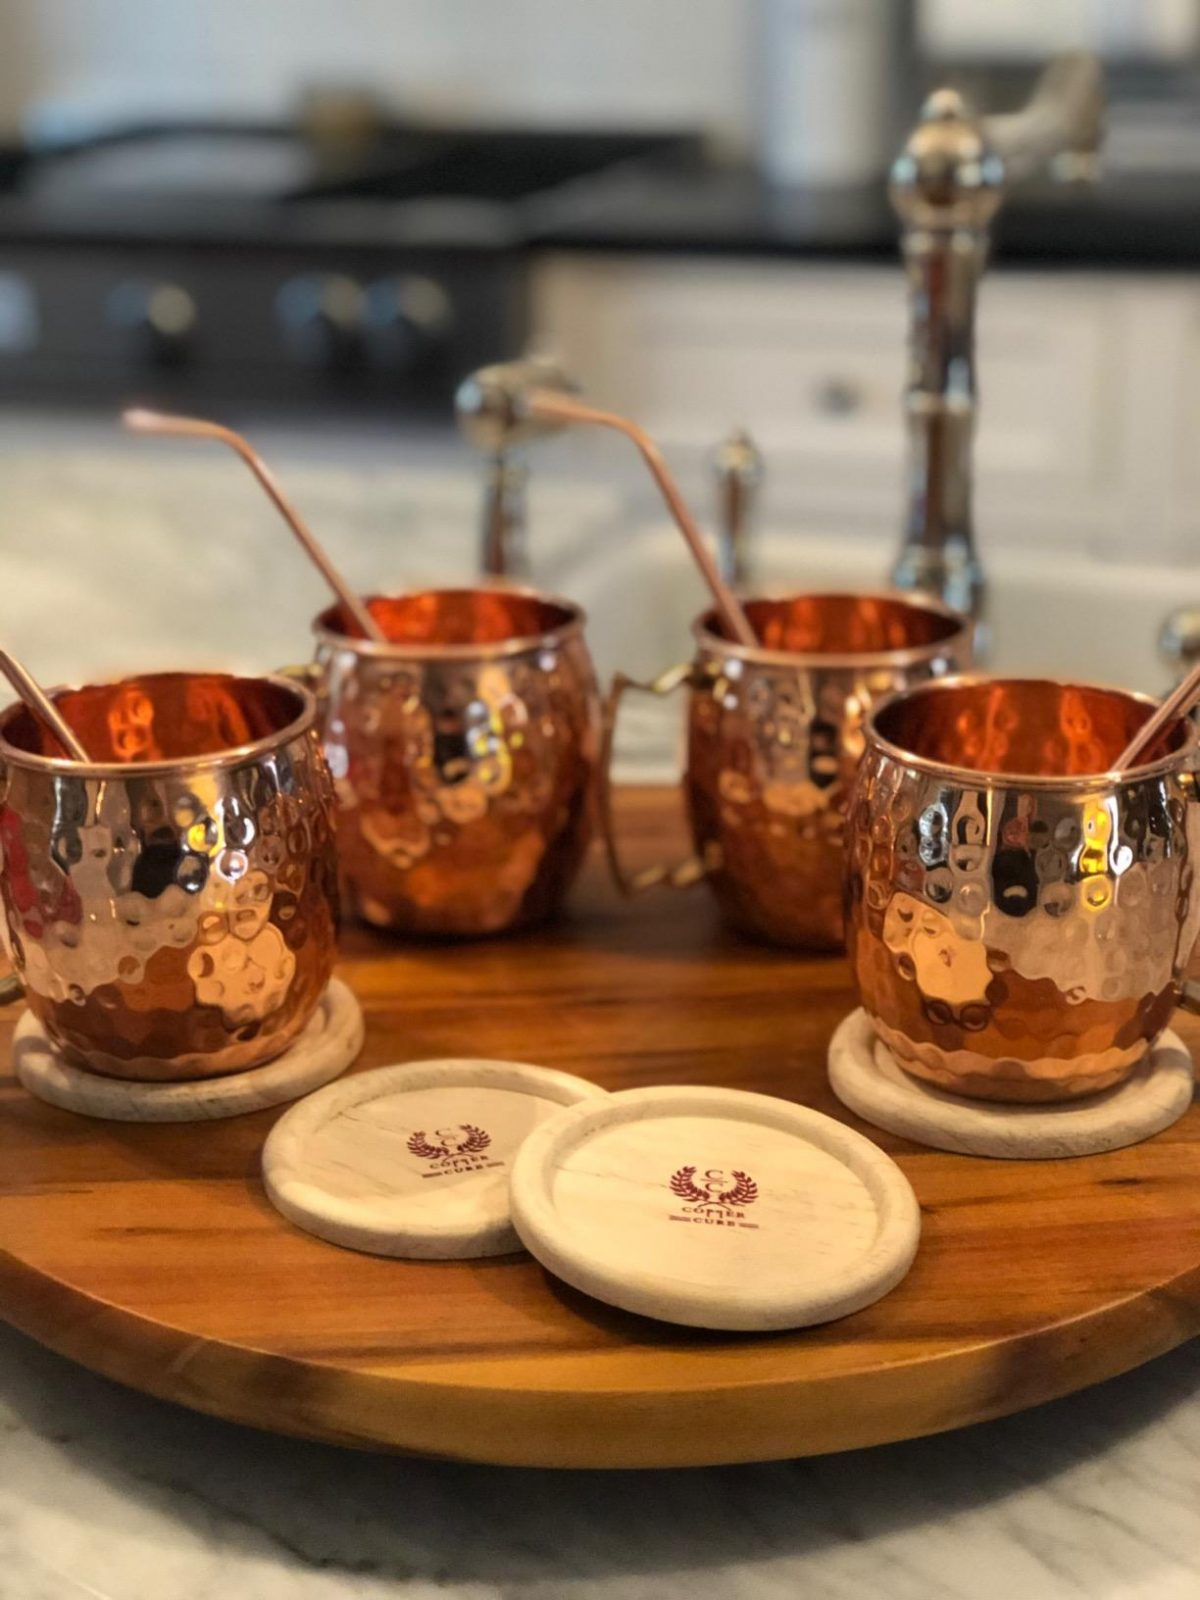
(328, 1045)
(866, 1077)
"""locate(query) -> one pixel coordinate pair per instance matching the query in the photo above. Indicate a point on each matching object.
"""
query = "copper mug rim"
(572, 624)
(234, 755)
(986, 778)
(705, 632)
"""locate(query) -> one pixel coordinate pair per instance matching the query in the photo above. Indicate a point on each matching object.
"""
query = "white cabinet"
(1181, 443)
(1089, 389)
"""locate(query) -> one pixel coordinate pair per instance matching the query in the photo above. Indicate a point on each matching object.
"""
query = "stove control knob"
(407, 322)
(320, 316)
(156, 320)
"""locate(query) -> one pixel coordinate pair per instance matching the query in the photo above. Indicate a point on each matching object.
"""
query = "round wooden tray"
(151, 1253)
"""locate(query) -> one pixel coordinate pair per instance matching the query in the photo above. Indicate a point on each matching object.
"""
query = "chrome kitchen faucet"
(947, 185)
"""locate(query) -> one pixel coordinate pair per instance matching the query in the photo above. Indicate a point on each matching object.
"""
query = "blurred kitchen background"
(310, 218)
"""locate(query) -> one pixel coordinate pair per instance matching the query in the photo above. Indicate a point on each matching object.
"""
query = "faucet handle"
(1061, 125)
(491, 403)
(955, 167)
(738, 468)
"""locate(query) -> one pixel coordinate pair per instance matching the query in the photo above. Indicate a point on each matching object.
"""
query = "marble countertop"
(125, 554)
(108, 1495)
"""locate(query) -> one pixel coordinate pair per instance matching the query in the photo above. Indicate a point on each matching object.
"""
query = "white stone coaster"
(413, 1160)
(714, 1208)
(866, 1077)
(330, 1042)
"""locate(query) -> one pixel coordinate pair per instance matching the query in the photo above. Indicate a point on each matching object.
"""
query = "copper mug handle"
(683, 873)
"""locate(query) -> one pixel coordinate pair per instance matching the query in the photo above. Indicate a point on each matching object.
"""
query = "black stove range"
(216, 265)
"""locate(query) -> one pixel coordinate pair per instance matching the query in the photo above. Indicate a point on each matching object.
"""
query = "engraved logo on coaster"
(457, 1150)
(718, 1198)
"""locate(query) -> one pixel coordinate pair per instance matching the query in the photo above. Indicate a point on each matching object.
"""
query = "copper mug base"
(464, 753)
(1020, 918)
(1038, 1081)
(774, 739)
(170, 907)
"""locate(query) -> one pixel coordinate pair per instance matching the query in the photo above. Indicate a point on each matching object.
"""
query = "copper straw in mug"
(40, 704)
(1178, 703)
(549, 406)
(514, 401)
(197, 428)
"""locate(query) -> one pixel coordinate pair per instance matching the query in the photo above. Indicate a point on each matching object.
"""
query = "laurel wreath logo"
(744, 1191)
(473, 1141)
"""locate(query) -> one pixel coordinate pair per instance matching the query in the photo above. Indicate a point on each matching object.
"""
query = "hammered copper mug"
(774, 738)
(463, 752)
(170, 906)
(1020, 918)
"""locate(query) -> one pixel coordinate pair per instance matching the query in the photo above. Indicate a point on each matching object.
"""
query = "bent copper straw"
(43, 708)
(1177, 704)
(196, 428)
(499, 406)
(551, 407)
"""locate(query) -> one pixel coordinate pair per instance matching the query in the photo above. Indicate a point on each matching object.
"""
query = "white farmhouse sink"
(1060, 615)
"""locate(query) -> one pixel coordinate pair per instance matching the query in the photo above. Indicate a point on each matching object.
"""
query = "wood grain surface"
(341, 1164)
(151, 1253)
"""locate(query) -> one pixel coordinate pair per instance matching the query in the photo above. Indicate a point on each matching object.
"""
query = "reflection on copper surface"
(463, 754)
(1020, 937)
(166, 716)
(844, 624)
(173, 921)
(464, 616)
(1024, 726)
(773, 746)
